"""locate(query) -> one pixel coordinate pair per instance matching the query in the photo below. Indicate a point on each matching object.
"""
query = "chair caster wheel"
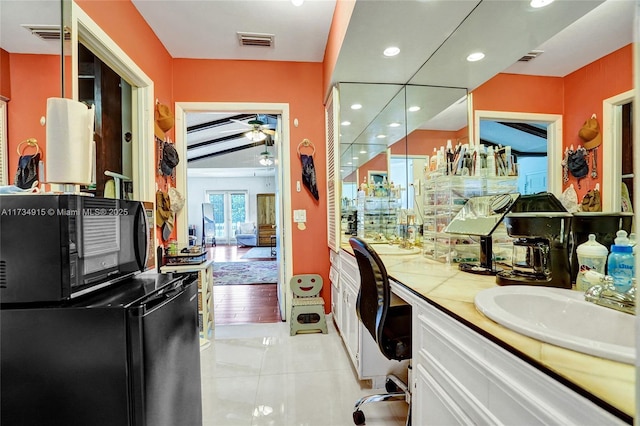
(358, 417)
(391, 386)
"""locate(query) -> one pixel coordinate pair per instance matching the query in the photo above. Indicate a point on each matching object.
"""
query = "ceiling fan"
(266, 159)
(259, 130)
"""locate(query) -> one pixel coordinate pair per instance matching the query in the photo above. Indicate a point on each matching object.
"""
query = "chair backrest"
(375, 292)
(306, 285)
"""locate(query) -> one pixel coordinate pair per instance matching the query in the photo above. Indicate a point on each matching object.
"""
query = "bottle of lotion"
(621, 263)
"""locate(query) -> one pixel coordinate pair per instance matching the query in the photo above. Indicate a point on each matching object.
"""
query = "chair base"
(397, 391)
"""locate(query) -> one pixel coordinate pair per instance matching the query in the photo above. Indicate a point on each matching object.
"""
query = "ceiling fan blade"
(232, 131)
(243, 123)
(269, 131)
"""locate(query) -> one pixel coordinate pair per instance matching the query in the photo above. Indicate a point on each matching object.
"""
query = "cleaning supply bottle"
(621, 263)
(592, 256)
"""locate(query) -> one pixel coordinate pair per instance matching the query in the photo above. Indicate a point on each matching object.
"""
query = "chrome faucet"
(604, 293)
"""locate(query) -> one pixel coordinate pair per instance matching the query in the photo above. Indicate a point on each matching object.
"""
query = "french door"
(229, 209)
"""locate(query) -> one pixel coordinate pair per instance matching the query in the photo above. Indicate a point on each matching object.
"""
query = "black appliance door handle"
(141, 237)
(160, 297)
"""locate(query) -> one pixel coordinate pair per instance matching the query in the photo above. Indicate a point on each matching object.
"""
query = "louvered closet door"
(333, 167)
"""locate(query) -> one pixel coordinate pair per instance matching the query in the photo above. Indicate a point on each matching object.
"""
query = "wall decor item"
(575, 162)
(163, 120)
(590, 133)
(164, 215)
(308, 168)
(591, 200)
(169, 159)
(27, 173)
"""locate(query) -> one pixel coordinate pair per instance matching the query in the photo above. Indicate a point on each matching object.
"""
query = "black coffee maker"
(540, 249)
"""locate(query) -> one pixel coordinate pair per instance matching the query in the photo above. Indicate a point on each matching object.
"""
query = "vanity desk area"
(468, 369)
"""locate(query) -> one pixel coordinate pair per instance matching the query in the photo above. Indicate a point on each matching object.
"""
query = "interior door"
(280, 223)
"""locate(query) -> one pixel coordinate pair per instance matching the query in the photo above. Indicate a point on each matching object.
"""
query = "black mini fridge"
(125, 355)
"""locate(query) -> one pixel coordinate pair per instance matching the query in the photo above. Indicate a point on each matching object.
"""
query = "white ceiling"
(436, 32)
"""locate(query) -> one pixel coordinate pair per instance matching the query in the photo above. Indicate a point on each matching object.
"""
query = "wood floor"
(242, 304)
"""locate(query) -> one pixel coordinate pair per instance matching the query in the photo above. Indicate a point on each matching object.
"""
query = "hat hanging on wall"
(163, 120)
(590, 133)
(169, 158)
(164, 215)
(177, 200)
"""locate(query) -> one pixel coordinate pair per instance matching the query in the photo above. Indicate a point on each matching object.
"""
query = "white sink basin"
(563, 318)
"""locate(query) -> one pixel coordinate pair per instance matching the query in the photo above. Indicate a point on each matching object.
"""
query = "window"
(229, 209)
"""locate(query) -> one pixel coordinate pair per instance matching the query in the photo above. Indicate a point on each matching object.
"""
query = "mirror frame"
(554, 139)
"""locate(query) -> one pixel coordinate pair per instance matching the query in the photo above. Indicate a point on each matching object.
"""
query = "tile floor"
(257, 374)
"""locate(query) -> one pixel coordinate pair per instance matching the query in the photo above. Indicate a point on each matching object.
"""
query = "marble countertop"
(454, 291)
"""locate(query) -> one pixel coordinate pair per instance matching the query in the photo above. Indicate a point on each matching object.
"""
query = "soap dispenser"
(592, 256)
(621, 263)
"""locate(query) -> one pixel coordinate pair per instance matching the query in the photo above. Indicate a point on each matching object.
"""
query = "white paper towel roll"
(69, 156)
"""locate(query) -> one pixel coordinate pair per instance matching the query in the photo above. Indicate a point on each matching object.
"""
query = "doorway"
(554, 150)
(281, 148)
(528, 143)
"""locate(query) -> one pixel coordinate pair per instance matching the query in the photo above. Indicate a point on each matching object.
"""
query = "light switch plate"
(299, 216)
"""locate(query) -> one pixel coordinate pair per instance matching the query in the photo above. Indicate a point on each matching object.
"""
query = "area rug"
(236, 273)
(258, 253)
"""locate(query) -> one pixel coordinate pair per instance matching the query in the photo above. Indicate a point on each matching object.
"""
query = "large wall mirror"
(387, 133)
(37, 63)
(32, 69)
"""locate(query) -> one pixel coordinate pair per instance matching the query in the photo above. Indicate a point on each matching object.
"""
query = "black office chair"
(390, 326)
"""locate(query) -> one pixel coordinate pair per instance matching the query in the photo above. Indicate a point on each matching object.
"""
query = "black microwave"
(57, 247)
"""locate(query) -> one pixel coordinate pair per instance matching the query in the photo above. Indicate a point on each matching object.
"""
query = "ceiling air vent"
(255, 39)
(47, 32)
(531, 55)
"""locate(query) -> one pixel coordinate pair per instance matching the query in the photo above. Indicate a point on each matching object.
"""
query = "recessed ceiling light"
(349, 163)
(346, 123)
(414, 108)
(394, 125)
(476, 56)
(297, 2)
(540, 3)
(381, 136)
(356, 106)
(363, 152)
(391, 51)
(354, 158)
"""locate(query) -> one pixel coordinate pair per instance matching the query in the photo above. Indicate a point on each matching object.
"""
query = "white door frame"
(611, 149)
(85, 29)
(554, 139)
(285, 264)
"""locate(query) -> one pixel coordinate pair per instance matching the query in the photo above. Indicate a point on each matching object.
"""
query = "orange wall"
(422, 142)
(300, 85)
(5, 74)
(585, 89)
(377, 163)
(126, 27)
(340, 22)
(34, 78)
(576, 96)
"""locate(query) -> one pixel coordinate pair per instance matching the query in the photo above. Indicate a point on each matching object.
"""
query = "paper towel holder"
(70, 146)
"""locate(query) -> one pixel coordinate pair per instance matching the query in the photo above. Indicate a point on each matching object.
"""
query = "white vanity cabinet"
(334, 279)
(365, 355)
(461, 377)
